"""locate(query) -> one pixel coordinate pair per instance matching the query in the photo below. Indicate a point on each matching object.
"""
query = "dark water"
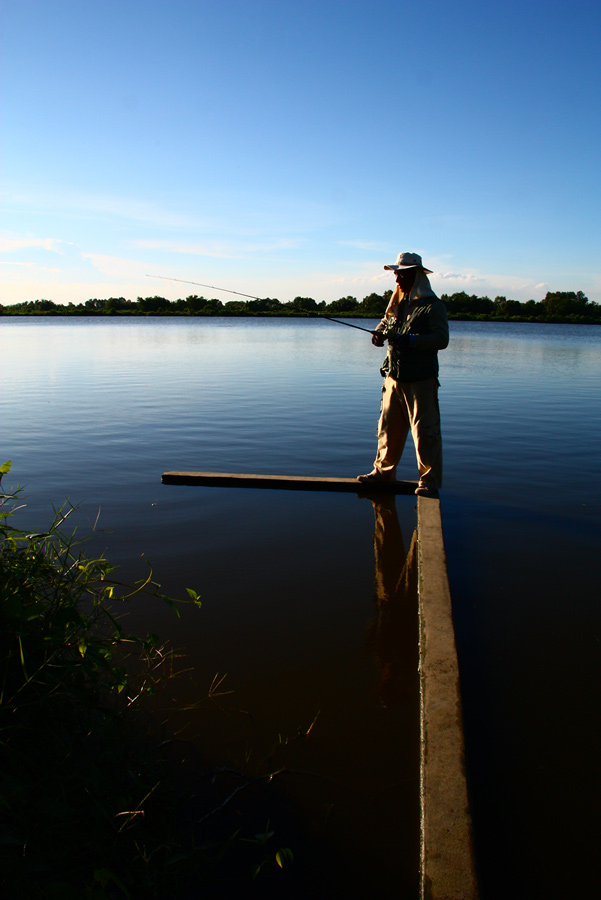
(522, 526)
(96, 410)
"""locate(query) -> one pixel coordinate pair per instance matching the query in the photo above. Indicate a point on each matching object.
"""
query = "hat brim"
(395, 268)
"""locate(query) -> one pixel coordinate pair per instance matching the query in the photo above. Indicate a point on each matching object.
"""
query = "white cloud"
(217, 249)
(6, 262)
(15, 245)
(514, 287)
(82, 205)
(71, 292)
(116, 267)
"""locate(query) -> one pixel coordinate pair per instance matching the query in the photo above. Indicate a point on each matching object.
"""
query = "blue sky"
(282, 149)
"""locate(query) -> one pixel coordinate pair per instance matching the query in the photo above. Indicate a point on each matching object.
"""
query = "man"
(416, 327)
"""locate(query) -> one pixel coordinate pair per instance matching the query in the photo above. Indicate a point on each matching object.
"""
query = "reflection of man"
(416, 327)
(394, 633)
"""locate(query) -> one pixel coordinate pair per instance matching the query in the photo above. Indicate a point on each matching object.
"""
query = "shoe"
(423, 491)
(375, 477)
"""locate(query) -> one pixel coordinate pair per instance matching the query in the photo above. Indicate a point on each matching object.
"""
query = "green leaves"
(86, 806)
(105, 878)
(284, 855)
(194, 597)
(57, 613)
(71, 755)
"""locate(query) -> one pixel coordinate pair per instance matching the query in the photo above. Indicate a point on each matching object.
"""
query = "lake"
(96, 409)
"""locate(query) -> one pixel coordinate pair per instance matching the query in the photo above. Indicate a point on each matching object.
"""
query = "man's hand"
(377, 338)
(400, 340)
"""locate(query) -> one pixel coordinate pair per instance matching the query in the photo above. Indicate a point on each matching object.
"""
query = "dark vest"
(411, 363)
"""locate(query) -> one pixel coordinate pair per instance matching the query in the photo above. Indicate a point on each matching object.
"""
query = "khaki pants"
(411, 405)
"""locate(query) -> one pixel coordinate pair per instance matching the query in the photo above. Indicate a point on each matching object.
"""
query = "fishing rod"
(358, 327)
(200, 284)
(252, 297)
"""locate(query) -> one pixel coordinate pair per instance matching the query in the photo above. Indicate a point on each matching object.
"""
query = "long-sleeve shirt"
(425, 318)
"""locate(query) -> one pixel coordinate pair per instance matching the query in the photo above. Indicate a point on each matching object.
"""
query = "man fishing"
(416, 327)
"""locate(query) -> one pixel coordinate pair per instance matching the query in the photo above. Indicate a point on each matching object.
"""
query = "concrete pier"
(447, 859)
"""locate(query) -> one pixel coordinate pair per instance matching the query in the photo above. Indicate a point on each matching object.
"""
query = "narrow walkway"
(447, 858)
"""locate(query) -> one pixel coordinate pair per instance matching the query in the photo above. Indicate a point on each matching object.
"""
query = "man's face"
(405, 279)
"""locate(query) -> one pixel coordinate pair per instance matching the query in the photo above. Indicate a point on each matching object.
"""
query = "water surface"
(96, 409)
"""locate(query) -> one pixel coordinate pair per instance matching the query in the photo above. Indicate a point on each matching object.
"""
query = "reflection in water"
(392, 634)
(360, 787)
(344, 710)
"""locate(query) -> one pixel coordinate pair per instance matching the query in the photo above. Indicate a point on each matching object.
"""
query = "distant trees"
(565, 303)
(212, 306)
(472, 305)
(557, 306)
(193, 303)
(304, 304)
(153, 304)
(34, 306)
(506, 308)
(236, 306)
(44, 305)
(268, 304)
(375, 304)
(345, 304)
(113, 304)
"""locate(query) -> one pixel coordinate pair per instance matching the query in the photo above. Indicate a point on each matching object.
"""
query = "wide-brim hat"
(408, 261)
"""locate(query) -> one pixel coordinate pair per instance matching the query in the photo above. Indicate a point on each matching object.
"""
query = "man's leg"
(393, 429)
(424, 413)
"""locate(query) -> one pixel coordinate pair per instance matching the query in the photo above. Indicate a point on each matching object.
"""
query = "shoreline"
(242, 314)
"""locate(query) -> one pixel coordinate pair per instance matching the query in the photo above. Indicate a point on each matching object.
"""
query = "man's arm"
(379, 334)
(437, 337)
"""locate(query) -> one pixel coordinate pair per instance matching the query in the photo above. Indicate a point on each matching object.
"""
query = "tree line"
(557, 306)
(373, 305)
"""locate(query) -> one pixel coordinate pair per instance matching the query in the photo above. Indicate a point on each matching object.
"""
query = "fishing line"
(200, 284)
(252, 297)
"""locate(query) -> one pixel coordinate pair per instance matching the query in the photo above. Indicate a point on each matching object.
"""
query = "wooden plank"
(286, 482)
